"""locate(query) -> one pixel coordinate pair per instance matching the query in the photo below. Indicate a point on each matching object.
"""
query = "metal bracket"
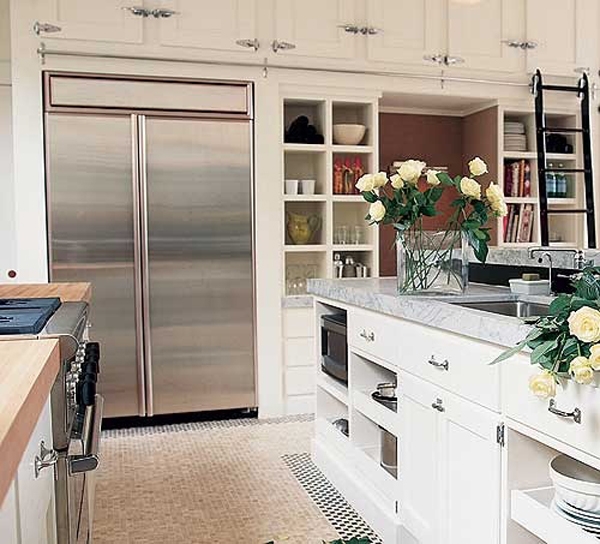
(500, 434)
(46, 28)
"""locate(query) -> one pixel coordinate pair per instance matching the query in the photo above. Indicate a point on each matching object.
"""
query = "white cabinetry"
(451, 466)
(479, 34)
(562, 35)
(406, 30)
(9, 528)
(315, 28)
(207, 24)
(90, 20)
(35, 492)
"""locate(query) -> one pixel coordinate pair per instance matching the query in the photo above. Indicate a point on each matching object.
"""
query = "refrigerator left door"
(91, 173)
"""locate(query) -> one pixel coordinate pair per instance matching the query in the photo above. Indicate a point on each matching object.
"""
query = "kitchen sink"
(512, 308)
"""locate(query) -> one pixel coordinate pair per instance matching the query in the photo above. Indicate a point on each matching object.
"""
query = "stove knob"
(87, 393)
(90, 367)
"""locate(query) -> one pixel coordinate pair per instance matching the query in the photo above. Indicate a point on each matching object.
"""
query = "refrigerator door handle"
(145, 283)
(137, 259)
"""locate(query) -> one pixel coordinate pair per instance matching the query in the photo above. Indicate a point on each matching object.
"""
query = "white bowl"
(346, 134)
(576, 483)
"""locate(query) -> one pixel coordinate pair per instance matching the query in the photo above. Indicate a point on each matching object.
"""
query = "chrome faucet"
(545, 255)
(579, 259)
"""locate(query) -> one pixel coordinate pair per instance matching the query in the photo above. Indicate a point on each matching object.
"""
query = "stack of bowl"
(577, 493)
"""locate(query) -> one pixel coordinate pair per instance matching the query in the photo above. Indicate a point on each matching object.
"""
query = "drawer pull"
(438, 405)
(444, 364)
(46, 459)
(575, 415)
(369, 337)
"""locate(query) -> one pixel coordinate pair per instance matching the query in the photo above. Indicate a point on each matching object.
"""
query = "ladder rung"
(563, 88)
(568, 211)
(566, 170)
(560, 130)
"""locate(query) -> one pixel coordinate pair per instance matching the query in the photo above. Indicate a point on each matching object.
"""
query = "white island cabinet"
(473, 443)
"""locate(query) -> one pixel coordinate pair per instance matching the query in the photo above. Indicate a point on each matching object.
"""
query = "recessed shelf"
(304, 198)
(356, 149)
(352, 247)
(333, 387)
(305, 248)
(532, 510)
(562, 201)
(376, 412)
(521, 200)
(305, 148)
(349, 198)
(517, 155)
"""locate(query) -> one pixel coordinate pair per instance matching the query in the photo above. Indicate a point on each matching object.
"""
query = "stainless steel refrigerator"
(150, 198)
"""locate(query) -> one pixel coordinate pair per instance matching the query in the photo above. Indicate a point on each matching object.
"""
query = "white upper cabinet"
(226, 25)
(315, 28)
(405, 31)
(561, 34)
(486, 35)
(91, 20)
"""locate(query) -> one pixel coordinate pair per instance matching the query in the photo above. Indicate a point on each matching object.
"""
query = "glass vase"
(432, 262)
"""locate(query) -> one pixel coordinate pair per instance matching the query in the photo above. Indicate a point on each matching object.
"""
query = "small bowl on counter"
(576, 483)
(348, 134)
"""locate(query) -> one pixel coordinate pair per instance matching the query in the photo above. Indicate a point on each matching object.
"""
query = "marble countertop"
(442, 312)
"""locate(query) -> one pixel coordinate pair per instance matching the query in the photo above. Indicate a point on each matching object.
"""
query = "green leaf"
(542, 351)
(445, 179)
(509, 353)
(369, 196)
(559, 305)
(429, 210)
(436, 193)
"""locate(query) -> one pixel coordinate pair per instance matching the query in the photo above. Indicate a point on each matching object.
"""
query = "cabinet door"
(9, 528)
(36, 494)
(470, 483)
(478, 33)
(208, 24)
(419, 462)
(107, 20)
(559, 30)
(315, 28)
(407, 30)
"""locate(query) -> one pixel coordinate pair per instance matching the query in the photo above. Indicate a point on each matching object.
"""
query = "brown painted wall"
(435, 139)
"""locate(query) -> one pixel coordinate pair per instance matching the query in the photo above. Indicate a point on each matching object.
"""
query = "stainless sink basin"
(512, 308)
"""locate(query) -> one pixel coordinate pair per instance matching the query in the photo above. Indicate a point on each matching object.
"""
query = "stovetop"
(26, 315)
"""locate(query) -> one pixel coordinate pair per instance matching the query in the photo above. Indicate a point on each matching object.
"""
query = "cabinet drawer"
(298, 322)
(300, 352)
(521, 405)
(451, 361)
(300, 380)
(374, 334)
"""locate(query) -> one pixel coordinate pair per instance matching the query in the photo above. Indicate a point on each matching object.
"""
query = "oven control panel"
(83, 376)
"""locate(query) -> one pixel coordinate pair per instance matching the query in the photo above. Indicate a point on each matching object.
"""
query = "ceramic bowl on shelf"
(576, 483)
(347, 134)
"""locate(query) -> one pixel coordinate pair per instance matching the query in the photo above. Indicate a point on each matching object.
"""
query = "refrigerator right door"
(199, 303)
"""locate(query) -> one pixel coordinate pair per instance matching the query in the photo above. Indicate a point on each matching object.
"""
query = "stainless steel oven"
(334, 346)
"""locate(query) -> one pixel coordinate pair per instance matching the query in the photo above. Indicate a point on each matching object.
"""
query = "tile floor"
(239, 481)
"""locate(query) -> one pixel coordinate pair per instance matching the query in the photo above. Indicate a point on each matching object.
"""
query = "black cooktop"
(26, 315)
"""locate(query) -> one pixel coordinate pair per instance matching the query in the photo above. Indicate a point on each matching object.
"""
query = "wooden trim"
(28, 369)
(67, 292)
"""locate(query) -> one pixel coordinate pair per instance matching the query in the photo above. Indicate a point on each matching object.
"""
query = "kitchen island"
(472, 442)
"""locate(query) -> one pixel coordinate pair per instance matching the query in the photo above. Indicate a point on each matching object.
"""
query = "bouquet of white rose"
(566, 343)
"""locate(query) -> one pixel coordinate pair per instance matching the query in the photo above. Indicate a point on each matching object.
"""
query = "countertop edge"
(66, 291)
(24, 419)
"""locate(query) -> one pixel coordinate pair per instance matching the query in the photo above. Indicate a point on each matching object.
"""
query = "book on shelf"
(518, 224)
(517, 178)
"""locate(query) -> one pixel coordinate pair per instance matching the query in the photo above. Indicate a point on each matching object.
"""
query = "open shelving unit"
(316, 161)
(566, 230)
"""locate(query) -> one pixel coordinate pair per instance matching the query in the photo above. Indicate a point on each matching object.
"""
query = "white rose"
(543, 385)
(581, 371)
(432, 178)
(496, 198)
(365, 183)
(397, 182)
(411, 171)
(469, 187)
(585, 324)
(595, 357)
(477, 167)
(500, 209)
(377, 211)
(379, 180)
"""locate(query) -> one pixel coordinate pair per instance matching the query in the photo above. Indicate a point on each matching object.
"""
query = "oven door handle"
(92, 426)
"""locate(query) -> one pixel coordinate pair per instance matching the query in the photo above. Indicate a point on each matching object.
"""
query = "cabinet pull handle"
(445, 364)
(276, 45)
(370, 31)
(47, 458)
(451, 61)
(350, 28)
(575, 415)
(514, 43)
(530, 45)
(437, 59)
(138, 11)
(163, 13)
(368, 336)
(250, 44)
(47, 28)
(438, 405)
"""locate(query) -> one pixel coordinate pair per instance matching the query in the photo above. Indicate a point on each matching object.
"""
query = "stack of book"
(517, 178)
(518, 224)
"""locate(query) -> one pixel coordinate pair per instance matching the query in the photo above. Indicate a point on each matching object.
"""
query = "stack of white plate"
(514, 136)
(577, 497)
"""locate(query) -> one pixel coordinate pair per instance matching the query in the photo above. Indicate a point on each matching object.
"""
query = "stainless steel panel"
(148, 94)
(89, 167)
(199, 197)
